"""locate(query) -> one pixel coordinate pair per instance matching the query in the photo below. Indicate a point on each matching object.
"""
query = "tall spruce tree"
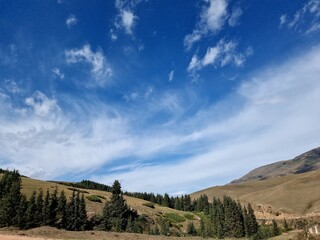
(22, 217)
(32, 208)
(275, 228)
(39, 209)
(116, 211)
(252, 226)
(62, 210)
(10, 185)
(46, 208)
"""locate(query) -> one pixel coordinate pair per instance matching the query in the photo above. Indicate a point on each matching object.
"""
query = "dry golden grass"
(295, 194)
(29, 185)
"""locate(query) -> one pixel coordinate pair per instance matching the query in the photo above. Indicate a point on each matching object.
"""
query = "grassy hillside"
(306, 162)
(291, 196)
(176, 217)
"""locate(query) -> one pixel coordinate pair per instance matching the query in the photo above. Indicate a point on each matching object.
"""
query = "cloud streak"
(271, 119)
(99, 67)
(213, 18)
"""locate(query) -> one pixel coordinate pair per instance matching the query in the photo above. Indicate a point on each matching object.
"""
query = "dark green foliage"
(76, 214)
(53, 207)
(76, 189)
(10, 194)
(94, 198)
(32, 208)
(149, 204)
(62, 210)
(165, 227)
(46, 208)
(251, 225)
(275, 228)
(22, 217)
(116, 211)
(39, 209)
(191, 230)
(174, 217)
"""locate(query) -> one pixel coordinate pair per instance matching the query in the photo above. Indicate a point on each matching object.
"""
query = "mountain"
(305, 162)
(282, 189)
(291, 195)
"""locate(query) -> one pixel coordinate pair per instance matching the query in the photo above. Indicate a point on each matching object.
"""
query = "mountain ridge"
(308, 161)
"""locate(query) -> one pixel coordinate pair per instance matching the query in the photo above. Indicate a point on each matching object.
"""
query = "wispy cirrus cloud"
(220, 55)
(100, 70)
(72, 20)
(58, 72)
(273, 118)
(126, 18)
(305, 20)
(213, 18)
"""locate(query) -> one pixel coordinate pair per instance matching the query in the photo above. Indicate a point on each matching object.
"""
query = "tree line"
(221, 218)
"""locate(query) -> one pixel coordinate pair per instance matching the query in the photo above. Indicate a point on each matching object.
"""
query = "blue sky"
(166, 96)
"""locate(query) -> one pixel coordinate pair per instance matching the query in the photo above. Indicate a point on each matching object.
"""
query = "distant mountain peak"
(306, 162)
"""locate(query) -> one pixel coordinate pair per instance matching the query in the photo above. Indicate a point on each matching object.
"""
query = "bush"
(189, 216)
(174, 217)
(148, 204)
(94, 198)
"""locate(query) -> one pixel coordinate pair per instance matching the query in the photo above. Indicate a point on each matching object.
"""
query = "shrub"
(189, 216)
(94, 198)
(174, 217)
(148, 204)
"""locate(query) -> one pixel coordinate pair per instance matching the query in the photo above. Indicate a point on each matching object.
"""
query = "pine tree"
(22, 217)
(39, 220)
(202, 229)
(251, 222)
(46, 209)
(62, 210)
(53, 206)
(71, 212)
(191, 230)
(116, 211)
(10, 198)
(82, 213)
(32, 208)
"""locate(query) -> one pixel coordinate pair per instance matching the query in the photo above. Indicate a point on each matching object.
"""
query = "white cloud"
(222, 54)
(235, 16)
(71, 21)
(283, 19)
(113, 35)
(212, 20)
(126, 18)
(305, 20)
(11, 86)
(276, 119)
(171, 75)
(57, 72)
(273, 117)
(41, 104)
(99, 68)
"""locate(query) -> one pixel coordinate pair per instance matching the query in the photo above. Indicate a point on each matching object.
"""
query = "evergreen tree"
(46, 209)
(252, 226)
(82, 213)
(53, 207)
(71, 212)
(22, 217)
(39, 220)
(116, 211)
(10, 198)
(202, 229)
(32, 208)
(62, 210)
(275, 228)
(191, 230)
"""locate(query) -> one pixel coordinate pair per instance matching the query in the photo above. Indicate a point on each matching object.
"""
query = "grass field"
(93, 207)
(291, 196)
